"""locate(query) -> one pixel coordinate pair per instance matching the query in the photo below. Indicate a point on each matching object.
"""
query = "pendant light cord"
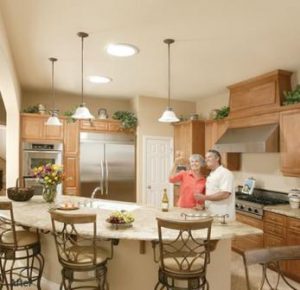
(82, 40)
(53, 60)
(169, 76)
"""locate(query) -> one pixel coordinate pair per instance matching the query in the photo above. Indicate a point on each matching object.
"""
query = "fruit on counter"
(120, 217)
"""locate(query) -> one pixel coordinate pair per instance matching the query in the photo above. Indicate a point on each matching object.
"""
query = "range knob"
(242, 207)
(256, 210)
(249, 209)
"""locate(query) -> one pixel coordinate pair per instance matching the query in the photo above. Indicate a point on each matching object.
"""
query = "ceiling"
(217, 43)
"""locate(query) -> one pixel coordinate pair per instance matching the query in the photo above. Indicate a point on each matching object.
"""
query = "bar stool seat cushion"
(24, 238)
(183, 265)
(84, 255)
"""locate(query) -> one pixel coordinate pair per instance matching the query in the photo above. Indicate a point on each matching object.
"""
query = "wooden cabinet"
(260, 94)
(101, 125)
(275, 232)
(189, 137)
(241, 244)
(290, 142)
(293, 238)
(213, 131)
(71, 158)
(33, 128)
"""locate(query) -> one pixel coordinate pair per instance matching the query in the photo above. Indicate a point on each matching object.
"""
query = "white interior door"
(158, 156)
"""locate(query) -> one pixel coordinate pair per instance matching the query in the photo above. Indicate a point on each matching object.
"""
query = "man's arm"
(213, 197)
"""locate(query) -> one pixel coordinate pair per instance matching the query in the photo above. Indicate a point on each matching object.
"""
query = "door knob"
(149, 186)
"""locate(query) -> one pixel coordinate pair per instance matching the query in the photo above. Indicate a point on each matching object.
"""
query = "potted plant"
(128, 119)
(292, 97)
(219, 114)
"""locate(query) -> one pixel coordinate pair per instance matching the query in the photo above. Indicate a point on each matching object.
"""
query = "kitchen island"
(132, 267)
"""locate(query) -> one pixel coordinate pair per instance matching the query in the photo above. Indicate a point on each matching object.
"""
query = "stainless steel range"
(253, 205)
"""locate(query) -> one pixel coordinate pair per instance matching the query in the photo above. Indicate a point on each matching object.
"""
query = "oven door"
(33, 158)
(33, 182)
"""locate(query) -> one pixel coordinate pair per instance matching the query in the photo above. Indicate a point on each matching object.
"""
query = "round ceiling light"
(99, 79)
(121, 49)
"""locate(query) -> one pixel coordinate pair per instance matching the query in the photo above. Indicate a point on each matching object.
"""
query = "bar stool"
(184, 252)
(21, 261)
(270, 257)
(84, 262)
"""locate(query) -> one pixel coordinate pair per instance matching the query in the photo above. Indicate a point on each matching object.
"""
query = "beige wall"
(148, 111)
(264, 167)
(66, 102)
(10, 92)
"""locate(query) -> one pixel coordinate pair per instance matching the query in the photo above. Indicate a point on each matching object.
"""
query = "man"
(219, 197)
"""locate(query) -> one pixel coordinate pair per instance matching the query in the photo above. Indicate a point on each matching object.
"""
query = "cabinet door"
(293, 238)
(53, 132)
(71, 173)
(71, 138)
(290, 142)
(32, 127)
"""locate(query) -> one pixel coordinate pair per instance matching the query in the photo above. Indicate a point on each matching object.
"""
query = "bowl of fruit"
(120, 219)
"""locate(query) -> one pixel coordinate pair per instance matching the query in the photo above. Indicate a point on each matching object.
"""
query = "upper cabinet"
(101, 125)
(189, 137)
(290, 142)
(33, 128)
(259, 95)
(213, 131)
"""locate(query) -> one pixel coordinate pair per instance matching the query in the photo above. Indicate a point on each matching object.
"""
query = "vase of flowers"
(49, 175)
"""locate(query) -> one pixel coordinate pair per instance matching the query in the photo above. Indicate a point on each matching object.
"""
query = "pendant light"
(82, 112)
(53, 119)
(168, 115)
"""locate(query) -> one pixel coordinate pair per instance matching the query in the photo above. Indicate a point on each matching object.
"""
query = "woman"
(192, 182)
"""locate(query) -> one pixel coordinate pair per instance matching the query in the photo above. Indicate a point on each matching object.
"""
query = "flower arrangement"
(49, 174)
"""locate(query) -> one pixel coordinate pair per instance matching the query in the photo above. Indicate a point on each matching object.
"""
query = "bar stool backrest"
(7, 226)
(74, 248)
(270, 257)
(184, 245)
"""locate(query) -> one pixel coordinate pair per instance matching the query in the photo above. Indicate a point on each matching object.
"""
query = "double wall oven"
(37, 154)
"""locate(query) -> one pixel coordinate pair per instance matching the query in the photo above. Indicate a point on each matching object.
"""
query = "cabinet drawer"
(293, 225)
(273, 241)
(94, 125)
(241, 244)
(250, 221)
(274, 218)
(114, 126)
(274, 230)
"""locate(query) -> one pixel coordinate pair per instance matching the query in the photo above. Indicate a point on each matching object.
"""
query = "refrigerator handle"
(106, 180)
(102, 177)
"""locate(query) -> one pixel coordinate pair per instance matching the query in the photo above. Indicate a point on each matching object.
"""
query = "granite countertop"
(34, 213)
(284, 210)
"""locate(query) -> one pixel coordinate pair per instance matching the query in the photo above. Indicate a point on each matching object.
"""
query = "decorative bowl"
(20, 193)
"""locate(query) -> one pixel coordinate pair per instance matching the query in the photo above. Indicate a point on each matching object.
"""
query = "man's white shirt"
(221, 179)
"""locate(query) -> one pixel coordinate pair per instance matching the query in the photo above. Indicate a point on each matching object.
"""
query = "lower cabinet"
(292, 239)
(280, 230)
(241, 244)
(71, 181)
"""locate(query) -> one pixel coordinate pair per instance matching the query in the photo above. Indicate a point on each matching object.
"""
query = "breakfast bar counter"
(130, 268)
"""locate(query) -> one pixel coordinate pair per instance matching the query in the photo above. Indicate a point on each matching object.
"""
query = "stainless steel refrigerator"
(107, 162)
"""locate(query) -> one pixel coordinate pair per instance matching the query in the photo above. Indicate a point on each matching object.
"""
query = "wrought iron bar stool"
(183, 258)
(21, 261)
(84, 262)
(271, 257)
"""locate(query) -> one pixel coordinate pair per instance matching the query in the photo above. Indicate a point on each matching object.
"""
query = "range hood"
(256, 139)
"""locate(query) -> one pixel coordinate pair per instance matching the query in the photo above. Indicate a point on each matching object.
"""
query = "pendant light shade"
(82, 112)
(168, 115)
(53, 119)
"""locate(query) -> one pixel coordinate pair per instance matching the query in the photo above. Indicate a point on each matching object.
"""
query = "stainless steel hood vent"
(251, 139)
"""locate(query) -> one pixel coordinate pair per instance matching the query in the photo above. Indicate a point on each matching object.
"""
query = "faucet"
(95, 191)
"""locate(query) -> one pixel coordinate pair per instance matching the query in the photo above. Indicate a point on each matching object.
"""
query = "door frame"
(171, 142)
